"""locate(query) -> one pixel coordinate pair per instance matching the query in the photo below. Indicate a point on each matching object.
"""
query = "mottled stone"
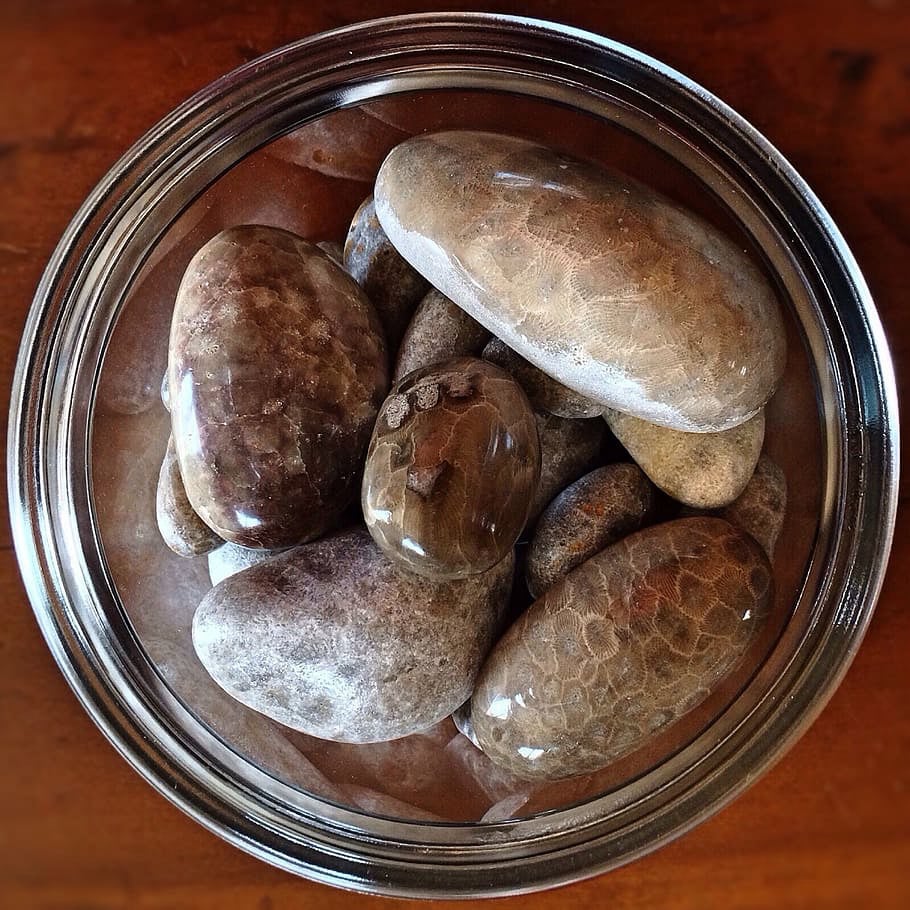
(451, 469)
(704, 470)
(332, 249)
(333, 640)
(277, 368)
(761, 508)
(439, 330)
(185, 533)
(605, 285)
(595, 511)
(229, 559)
(568, 449)
(389, 281)
(543, 391)
(628, 642)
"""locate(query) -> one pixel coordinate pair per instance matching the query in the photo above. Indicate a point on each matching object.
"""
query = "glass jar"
(346, 97)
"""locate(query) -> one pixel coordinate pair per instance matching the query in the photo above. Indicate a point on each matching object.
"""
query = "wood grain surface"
(827, 82)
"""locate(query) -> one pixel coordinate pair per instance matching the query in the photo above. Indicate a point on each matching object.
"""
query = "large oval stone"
(332, 639)
(277, 367)
(622, 646)
(452, 469)
(605, 285)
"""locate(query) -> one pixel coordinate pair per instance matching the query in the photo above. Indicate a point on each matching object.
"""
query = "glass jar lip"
(50, 492)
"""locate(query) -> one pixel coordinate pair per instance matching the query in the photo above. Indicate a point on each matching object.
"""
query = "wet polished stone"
(277, 368)
(622, 646)
(439, 330)
(595, 511)
(605, 285)
(452, 468)
(392, 285)
(333, 640)
(544, 392)
(185, 533)
(704, 470)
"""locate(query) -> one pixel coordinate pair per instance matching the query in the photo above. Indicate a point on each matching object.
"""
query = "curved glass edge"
(48, 592)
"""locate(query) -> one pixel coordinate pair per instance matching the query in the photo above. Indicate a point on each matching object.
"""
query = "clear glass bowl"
(419, 817)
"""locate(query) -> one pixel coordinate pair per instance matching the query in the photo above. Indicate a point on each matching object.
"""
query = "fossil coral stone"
(393, 286)
(623, 645)
(452, 468)
(761, 508)
(705, 470)
(608, 287)
(277, 367)
(544, 392)
(438, 331)
(181, 528)
(595, 511)
(334, 640)
(568, 449)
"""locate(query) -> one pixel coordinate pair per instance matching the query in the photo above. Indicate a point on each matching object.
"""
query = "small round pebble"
(438, 331)
(595, 511)
(704, 470)
(543, 391)
(181, 528)
(393, 286)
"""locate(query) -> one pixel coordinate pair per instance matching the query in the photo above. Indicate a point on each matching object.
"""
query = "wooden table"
(828, 82)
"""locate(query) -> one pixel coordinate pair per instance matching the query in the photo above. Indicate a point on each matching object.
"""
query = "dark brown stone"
(277, 368)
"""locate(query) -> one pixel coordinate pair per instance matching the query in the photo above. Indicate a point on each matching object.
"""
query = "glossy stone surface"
(229, 559)
(595, 511)
(704, 470)
(609, 287)
(333, 640)
(451, 469)
(277, 368)
(185, 533)
(622, 646)
(568, 449)
(761, 508)
(392, 285)
(544, 392)
(439, 330)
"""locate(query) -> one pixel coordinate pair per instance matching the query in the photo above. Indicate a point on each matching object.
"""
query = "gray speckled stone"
(181, 528)
(392, 285)
(595, 511)
(543, 391)
(704, 470)
(568, 449)
(439, 330)
(333, 640)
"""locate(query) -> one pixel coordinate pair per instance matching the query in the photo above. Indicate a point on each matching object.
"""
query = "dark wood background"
(827, 82)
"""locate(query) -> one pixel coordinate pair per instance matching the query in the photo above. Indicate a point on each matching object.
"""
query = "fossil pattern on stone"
(452, 468)
(277, 367)
(703, 470)
(594, 512)
(333, 640)
(625, 644)
(607, 286)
